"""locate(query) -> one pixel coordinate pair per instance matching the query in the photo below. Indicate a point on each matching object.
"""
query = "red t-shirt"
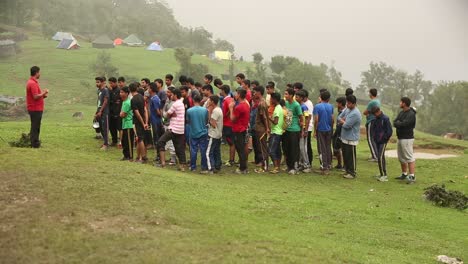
(248, 96)
(242, 112)
(226, 117)
(32, 88)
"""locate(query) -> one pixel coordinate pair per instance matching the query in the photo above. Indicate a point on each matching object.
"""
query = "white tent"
(155, 46)
(68, 44)
(59, 36)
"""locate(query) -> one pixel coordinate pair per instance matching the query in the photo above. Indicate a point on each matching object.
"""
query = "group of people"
(251, 119)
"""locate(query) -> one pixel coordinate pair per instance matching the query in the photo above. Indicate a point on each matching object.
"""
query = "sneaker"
(238, 171)
(401, 177)
(259, 170)
(206, 172)
(348, 176)
(104, 147)
(275, 171)
(229, 163)
(339, 167)
(172, 163)
(383, 178)
(411, 180)
(306, 170)
(292, 172)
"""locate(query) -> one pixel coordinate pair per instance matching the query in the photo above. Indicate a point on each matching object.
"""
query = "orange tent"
(118, 41)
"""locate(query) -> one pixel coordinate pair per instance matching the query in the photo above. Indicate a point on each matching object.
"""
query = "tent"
(221, 55)
(7, 48)
(118, 41)
(133, 41)
(68, 44)
(62, 35)
(155, 46)
(103, 42)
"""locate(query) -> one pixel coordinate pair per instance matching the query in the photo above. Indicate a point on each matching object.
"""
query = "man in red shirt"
(35, 104)
(227, 123)
(240, 115)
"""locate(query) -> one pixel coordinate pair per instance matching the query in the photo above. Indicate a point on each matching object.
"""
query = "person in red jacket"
(35, 104)
(239, 115)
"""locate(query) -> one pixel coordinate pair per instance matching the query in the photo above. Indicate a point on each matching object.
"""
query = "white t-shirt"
(217, 132)
(310, 107)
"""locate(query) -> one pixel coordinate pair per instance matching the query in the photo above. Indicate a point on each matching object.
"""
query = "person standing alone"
(405, 124)
(35, 104)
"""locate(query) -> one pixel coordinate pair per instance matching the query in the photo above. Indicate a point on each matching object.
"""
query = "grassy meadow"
(69, 202)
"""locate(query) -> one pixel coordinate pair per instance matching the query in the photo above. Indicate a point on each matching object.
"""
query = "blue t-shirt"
(197, 118)
(373, 103)
(325, 113)
(155, 104)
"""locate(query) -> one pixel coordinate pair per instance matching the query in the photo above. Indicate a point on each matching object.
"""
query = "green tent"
(103, 42)
(133, 41)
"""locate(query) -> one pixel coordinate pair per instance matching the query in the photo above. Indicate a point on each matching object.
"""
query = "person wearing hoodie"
(405, 123)
(381, 133)
(350, 120)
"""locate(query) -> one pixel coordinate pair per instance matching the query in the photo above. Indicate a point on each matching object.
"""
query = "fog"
(429, 35)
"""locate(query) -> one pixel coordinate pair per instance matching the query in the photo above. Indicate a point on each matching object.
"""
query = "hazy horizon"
(428, 35)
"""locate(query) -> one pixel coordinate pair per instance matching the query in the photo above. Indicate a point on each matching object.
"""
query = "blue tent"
(155, 46)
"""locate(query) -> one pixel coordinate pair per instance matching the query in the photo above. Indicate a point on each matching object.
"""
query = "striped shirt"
(177, 123)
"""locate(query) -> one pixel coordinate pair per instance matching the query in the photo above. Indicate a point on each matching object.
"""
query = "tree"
(184, 58)
(103, 65)
(257, 58)
(221, 44)
(278, 64)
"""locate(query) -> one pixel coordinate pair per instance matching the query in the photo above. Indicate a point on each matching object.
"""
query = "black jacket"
(381, 129)
(115, 102)
(405, 124)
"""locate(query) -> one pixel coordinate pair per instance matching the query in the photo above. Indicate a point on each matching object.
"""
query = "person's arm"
(264, 116)
(231, 112)
(103, 106)
(351, 120)
(316, 121)
(139, 117)
(35, 92)
(389, 130)
(212, 121)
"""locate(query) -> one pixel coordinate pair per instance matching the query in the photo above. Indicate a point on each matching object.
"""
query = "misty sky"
(429, 35)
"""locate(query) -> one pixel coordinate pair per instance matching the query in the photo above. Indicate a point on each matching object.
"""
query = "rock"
(78, 115)
(449, 260)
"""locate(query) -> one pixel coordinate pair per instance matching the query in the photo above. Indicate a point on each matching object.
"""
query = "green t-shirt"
(127, 122)
(278, 128)
(296, 110)
(373, 103)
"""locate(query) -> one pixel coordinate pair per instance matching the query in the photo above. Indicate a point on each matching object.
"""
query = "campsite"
(70, 202)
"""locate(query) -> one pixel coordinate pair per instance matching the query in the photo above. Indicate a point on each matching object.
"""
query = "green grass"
(70, 203)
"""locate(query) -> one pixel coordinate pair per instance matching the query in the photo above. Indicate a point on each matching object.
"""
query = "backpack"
(287, 119)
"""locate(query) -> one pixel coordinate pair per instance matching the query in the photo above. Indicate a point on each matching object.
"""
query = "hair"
(246, 82)
(341, 100)
(208, 87)
(255, 82)
(112, 79)
(325, 95)
(259, 89)
(301, 94)
(198, 85)
(184, 87)
(190, 80)
(171, 89)
(153, 87)
(218, 82)
(349, 91)
(159, 81)
(298, 85)
(146, 80)
(289, 85)
(226, 88)
(133, 87)
(169, 76)
(406, 101)
(373, 92)
(276, 96)
(214, 99)
(183, 79)
(290, 91)
(99, 79)
(177, 93)
(351, 99)
(306, 93)
(282, 102)
(103, 78)
(34, 70)
(375, 109)
(121, 79)
(271, 84)
(125, 90)
(209, 77)
(197, 98)
(241, 76)
(322, 90)
(242, 93)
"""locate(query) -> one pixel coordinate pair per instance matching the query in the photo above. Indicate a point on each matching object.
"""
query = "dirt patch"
(430, 154)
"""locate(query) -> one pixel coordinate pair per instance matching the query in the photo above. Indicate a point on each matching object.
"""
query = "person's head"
(349, 91)
(100, 82)
(376, 111)
(301, 96)
(190, 81)
(214, 99)
(169, 79)
(275, 98)
(104, 80)
(145, 83)
(351, 101)
(325, 96)
(405, 102)
(225, 90)
(176, 94)
(254, 83)
(184, 90)
(153, 88)
(208, 78)
(270, 88)
(297, 86)
(124, 91)
(218, 83)
(183, 80)
(289, 86)
(239, 78)
(197, 99)
(112, 82)
(289, 94)
(133, 87)
(245, 84)
(373, 93)
(341, 102)
(170, 92)
(35, 72)
(159, 83)
(198, 86)
(240, 94)
(283, 103)
(258, 92)
(207, 90)
(121, 82)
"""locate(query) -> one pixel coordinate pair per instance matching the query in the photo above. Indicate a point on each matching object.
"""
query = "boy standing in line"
(381, 133)
(128, 135)
(405, 124)
(277, 120)
(324, 119)
(215, 133)
(350, 121)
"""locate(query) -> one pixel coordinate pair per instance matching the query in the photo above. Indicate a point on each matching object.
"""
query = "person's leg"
(295, 150)
(35, 128)
(256, 147)
(310, 153)
(284, 148)
(105, 129)
(347, 158)
(264, 150)
(131, 143)
(239, 141)
(210, 160)
(327, 151)
(113, 128)
(126, 144)
(354, 161)
(304, 156)
(319, 144)
(370, 141)
(381, 159)
(162, 146)
(194, 144)
(180, 149)
(217, 153)
(203, 143)
(288, 145)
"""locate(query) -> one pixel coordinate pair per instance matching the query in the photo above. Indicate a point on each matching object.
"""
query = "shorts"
(140, 132)
(228, 135)
(405, 150)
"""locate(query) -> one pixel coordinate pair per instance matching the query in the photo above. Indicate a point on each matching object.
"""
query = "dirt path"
(420, 154)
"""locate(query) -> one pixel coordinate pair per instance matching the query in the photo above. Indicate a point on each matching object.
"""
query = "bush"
(23, 142)
(443, 198)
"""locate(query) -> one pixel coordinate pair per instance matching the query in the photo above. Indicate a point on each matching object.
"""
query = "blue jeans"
(213, 154)
(195, 144)
(274, 148)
